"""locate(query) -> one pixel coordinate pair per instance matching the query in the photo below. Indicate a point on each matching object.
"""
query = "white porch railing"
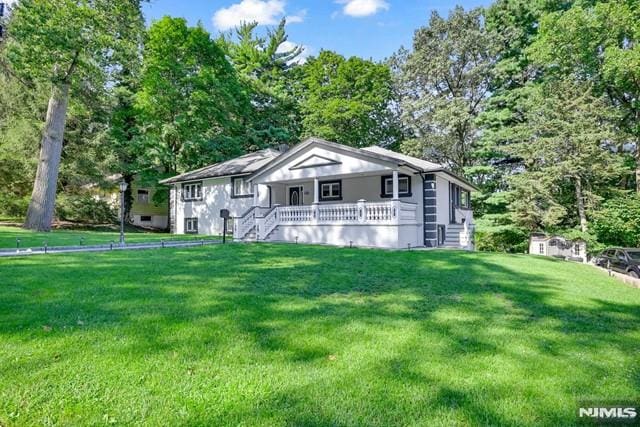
(466, 235)
(294, 214)
(244, 224)
(267, 223)
(374, 213)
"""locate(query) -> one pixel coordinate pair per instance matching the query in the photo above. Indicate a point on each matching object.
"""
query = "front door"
(295, 196)
(452, 203)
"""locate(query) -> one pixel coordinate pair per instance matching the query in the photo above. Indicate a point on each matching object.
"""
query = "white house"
(323, 192)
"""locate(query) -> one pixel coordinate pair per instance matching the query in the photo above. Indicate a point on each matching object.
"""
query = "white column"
(256, 195)
(396, 191)
(316, 190)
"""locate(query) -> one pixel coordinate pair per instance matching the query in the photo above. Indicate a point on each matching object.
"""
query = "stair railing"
(245, 223)
(266, 223)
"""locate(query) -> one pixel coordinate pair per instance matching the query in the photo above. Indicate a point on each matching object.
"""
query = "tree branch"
(72, 67)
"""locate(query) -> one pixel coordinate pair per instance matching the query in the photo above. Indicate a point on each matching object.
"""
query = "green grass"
(300, 335)
(65, 237)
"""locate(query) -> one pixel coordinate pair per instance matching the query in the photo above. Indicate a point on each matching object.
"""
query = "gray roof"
(424, 165)
(243, 165)
(261, 160)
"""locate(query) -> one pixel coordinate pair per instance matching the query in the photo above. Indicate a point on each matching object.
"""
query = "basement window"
(191, 225)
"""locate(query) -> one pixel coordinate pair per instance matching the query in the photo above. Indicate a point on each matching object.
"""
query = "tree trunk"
(128, 196)
(581, 211)
(43, 198)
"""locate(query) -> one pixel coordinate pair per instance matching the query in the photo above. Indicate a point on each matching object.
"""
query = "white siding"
(216, 195)
(442, 200)
(381, 236)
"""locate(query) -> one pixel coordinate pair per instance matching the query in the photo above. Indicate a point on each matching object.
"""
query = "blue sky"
(367, 28)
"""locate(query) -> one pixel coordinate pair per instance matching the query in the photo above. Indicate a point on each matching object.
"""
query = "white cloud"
(298, 17)
(264, 12)
(360, 8)
(300, 59)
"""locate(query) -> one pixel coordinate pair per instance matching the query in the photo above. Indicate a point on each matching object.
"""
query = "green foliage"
(564, 145)
(506, 238)
(496, 230)
(191, 104)
(617, 222)
(13, 205)
(266, 66)
(66, 41)
(20, 130)
(349, 101)
(599, 42)
(84, 208)
(443, 84)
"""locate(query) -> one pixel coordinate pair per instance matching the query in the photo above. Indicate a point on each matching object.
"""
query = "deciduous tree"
(351, 101)
(191, 105)
(70, 46)
(443, 83)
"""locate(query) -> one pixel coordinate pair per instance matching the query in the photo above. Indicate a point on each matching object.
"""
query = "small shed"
(558, 247)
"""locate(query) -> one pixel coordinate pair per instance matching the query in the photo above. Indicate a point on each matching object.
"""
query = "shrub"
(84, 208)
(12, 206)
(617, 222)
(501, 238)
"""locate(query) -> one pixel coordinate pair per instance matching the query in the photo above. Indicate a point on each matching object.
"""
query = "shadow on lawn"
(301, 305)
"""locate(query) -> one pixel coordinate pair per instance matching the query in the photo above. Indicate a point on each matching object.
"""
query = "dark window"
(143, 196)
(191, 225)
(145, 218)
(330, 190)
(192, 191)
(635, 255)
(541, 248)
(461, 198)
(404, 186)
(240, 187)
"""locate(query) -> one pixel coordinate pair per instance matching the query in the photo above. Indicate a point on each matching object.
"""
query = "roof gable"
(313, 161)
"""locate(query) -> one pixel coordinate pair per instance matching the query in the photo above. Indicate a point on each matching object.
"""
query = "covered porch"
(378, 209)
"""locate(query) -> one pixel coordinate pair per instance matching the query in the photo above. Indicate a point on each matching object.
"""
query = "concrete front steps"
(452, 236)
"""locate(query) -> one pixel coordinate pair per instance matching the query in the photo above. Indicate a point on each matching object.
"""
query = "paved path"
(105, 248)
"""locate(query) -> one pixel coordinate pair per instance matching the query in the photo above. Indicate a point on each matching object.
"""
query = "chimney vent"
(283, 148)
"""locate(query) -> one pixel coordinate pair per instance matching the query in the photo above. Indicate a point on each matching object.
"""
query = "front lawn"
(71, 237)
(301, 335)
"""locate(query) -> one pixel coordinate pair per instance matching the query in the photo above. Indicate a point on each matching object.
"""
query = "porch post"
(395, 201)
(316, 190)
(396, 190)
(256, 195)
(315, 212)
